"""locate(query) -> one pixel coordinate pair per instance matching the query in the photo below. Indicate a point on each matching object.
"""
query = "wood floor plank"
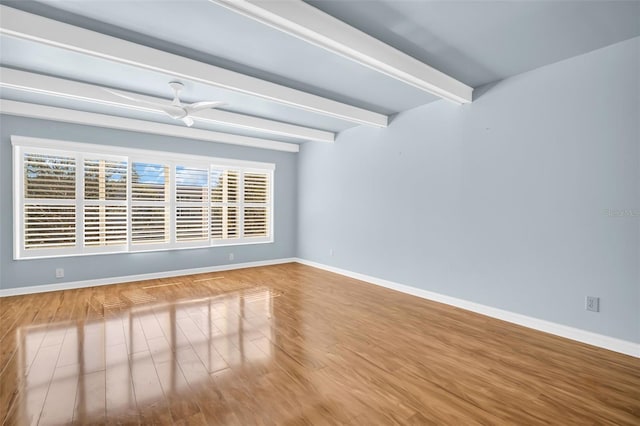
(91, 399)
(292, 345)
(59, 407)
(120, 396)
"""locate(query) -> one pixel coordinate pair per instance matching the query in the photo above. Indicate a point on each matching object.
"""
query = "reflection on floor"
(135, 346)
(290, 344)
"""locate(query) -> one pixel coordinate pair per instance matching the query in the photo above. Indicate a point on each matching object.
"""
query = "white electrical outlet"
(231, 256)
(592, 304)
(59, 272)
(330, 252)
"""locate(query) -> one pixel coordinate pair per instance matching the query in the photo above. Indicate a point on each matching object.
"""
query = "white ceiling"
(476, 42)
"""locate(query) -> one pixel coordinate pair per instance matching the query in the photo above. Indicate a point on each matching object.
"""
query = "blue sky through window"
(216, 178)
(154, 174)
(114, 171)
(191, 177)
(148, 173)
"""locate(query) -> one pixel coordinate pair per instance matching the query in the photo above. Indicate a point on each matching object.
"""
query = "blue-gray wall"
(504, 202)
(20, 273)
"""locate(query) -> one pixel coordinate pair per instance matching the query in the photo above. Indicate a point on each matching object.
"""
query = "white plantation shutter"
(74, 199)
(105, 179)
(105, 202)
(225, 204)
(49, 226)
(149, 203)
(192, 204)
(256, 221)
(256, 204)
(49, 201)
(49, 177)
(256, 188)
(105, 225)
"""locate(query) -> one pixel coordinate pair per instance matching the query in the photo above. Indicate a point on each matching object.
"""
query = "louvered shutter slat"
(48, 226)
(192, 193)
(105, 179)
(255, 222)
(225, 187)
(51, 179)
(105, 225)
(49, 176)
(192, 223)
(256, 193)
(149, 185)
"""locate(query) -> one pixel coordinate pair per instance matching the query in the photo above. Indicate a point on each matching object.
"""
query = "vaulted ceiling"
(290, 72)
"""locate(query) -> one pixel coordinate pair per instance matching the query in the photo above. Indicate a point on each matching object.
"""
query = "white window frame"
(79, 151)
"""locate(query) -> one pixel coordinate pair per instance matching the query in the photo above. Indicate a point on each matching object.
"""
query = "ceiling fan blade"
(136, 99)
(199, 106)
(175, 112)
(188, 121)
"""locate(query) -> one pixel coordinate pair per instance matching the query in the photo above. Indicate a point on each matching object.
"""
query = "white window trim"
(80, 150)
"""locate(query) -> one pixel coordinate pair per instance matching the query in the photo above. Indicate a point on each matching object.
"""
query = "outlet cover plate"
(592, 304)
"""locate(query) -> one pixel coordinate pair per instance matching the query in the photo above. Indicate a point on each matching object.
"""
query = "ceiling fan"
(176, 110)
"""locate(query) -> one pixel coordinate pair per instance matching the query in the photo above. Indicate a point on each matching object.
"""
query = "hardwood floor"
(289, 345)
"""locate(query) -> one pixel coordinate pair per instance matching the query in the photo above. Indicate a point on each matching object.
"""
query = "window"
(49, 201)
(105, 202)
(74, 199)
(224, 204)
(256, 202)
(192, 203)
(149, 203)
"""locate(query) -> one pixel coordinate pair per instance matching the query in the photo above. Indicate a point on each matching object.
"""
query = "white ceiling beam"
(38, 83)
(32, 27)
(307, 23)
(24, 109)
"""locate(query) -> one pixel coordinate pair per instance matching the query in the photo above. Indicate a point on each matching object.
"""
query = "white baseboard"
(127, 278)
(595, 339)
